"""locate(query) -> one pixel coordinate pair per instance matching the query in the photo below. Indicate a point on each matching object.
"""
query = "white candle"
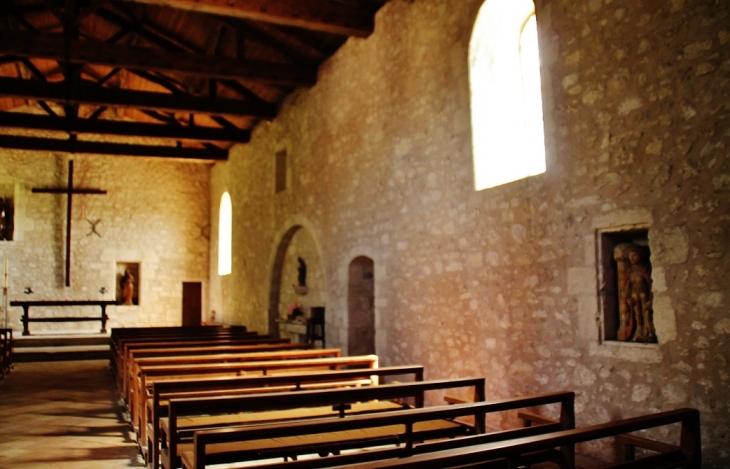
(5, 283)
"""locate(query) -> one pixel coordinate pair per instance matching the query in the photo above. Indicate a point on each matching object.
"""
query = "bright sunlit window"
(225, 231)
(506, 97)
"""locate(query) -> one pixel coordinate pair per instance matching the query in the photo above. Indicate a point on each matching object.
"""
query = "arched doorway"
(361, 306)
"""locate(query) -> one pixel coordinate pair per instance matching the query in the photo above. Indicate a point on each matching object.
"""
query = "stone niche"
(626, 287)
(128, 282)
(7, 211)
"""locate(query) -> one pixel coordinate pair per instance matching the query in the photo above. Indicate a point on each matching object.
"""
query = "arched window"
(225, 235)
(506, 98)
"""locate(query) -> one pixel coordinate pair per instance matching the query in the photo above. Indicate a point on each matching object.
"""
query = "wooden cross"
(69, 191)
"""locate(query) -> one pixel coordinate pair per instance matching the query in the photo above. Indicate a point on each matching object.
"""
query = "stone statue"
(636, 321)
(127, 284)
(302, 270)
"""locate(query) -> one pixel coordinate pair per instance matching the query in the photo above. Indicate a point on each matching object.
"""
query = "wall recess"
(626, 286)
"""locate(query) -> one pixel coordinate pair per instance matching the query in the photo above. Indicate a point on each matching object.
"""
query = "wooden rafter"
(103, 148)
(320, 15)
(94, 126)
(84, 93)
(172, 43)
(142, 58)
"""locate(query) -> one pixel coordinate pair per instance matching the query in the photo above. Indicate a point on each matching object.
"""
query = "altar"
(26, 319)
(293, 330)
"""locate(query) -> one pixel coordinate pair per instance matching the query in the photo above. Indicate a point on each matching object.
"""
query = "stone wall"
(503, 282)
(155, 213)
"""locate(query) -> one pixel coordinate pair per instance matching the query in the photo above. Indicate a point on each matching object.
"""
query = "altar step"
(46, 348)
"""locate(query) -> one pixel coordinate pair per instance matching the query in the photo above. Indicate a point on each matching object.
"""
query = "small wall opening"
(361, 306)
(626, 286)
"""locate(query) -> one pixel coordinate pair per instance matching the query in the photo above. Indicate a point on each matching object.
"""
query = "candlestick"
(5, 282)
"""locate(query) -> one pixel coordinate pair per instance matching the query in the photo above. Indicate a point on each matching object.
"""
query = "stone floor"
(63, 415)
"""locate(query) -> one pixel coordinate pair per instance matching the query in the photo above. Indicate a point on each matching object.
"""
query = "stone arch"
(297, 240)
(361, 306)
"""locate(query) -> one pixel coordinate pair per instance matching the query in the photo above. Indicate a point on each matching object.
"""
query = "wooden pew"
(156, 407)
(186, 416)
(460, 453)
(149, 375)
(120, 347)
(118, 334)
(129, 347)
(137, 354)
(404, 428)
(138, 388)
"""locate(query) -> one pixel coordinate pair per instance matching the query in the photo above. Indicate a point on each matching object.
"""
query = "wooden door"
(361, 307)
(192, 303)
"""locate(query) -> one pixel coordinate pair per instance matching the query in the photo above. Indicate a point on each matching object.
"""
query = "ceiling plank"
(134, 129)
(84, 93)
(320, 15)
(95, 52)
(103, 148)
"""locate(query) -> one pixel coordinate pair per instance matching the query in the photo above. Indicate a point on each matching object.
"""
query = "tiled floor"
(63, 415)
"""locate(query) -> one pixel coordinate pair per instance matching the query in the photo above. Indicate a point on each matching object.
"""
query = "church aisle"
(63, 415)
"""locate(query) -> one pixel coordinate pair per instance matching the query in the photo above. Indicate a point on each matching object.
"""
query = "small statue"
(635, 297)
(127, 284)
(302, 270)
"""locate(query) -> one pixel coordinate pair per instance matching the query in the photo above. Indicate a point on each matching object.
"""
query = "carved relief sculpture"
(636, 321)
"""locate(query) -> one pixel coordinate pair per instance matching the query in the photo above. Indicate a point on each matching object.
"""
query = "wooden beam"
(319, 15)
(55, 47)
(132, 129)
(103, 148)
(84, 93)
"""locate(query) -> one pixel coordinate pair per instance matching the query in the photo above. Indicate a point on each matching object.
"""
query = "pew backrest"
(408, 419)
(169, 389)
(688, 452)
(340, 399)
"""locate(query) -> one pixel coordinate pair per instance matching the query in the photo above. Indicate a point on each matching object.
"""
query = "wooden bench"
(150, 374)
(119, 335)
(156, 406)
(511, 453)
(121, 347)
(208, 349)
(138, 388)
(405, 428)
(187, 416)
(216, 354)
(123, 358)
(627, 444)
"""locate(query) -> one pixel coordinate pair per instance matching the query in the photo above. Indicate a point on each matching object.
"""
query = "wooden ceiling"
(160, 78)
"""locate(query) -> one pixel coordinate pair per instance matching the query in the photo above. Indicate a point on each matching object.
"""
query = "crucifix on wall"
(69, 191)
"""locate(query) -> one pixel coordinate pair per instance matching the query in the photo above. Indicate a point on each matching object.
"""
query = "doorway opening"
(361, 306)
(192, 303)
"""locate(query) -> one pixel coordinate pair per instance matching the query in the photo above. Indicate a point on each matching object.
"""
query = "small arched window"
(506, 96)
(225, 235)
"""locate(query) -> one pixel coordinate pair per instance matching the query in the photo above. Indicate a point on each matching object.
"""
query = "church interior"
(262, 163)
